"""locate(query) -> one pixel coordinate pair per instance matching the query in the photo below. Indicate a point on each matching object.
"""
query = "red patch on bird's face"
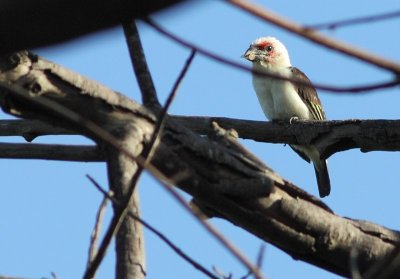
(263, 45)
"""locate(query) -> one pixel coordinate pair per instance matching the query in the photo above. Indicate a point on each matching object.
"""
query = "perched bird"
(285, 100)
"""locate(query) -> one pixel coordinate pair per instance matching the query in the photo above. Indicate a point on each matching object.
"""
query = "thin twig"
(217, 235)
(97, 227)
(109, 195)
(316, 37)
(163, 238)
(260, 256)
(120, 214)
(142, 73)
(168, 102)
(213, 56)
(354, 21)
(175, 248)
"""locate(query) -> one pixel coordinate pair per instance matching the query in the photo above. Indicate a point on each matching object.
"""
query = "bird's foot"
(293, 119)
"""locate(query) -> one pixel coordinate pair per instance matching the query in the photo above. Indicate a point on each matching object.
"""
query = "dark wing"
(308, 94)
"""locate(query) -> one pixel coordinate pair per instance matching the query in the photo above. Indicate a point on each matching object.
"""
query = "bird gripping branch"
(286, 100)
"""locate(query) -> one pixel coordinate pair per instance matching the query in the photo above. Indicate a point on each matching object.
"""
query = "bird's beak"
(253, 55)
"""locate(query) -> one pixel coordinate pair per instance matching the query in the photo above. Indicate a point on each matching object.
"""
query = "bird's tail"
(324, 183)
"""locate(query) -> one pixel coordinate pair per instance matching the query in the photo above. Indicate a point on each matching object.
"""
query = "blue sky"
(47, 208)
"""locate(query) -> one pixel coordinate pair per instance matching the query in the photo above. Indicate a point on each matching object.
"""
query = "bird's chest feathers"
(279, 99)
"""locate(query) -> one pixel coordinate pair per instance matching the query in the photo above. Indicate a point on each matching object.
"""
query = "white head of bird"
(268, 52)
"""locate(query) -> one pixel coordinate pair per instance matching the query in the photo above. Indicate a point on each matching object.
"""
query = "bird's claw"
(293, 119)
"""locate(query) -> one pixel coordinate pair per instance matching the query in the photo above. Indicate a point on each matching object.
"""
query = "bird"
(285, 100)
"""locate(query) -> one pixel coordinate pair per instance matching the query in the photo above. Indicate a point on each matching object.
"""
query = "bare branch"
(75, 153)
(175, 248)
(30, 129)
(354, 21)
(215, 233)
(317, 37)
(123, 175)
(332, 136)
(96, 229)
(118, 162)
(142, 73)
(160, 235)
(328, 136)
(328, 88)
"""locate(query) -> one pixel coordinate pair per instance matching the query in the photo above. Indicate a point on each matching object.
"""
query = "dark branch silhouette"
(160, 235)
(77, 153)
(354, 21)
(30, 24)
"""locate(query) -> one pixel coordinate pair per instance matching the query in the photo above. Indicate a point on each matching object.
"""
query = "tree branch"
(317, 37)
(220, 174)
(75, 153)
(328, 136)
(30, 129)
(162, 237)
(353, 21)
(142, 73)
(130, 250)
(124, 175)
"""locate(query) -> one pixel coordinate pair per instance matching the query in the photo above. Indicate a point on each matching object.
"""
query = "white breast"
(279, 99)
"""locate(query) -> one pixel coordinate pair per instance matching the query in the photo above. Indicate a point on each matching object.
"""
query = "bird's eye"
(269, 48)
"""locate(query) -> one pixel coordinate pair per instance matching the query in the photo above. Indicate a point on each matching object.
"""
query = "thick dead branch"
(30, 129)
(28, 24)
(129, 246)
(328, 136)
(219, 174)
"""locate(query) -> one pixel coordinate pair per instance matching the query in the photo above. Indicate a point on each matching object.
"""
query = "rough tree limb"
(28, 24)
(129, 246)
(75, 153)
(217, 172)
(329, 136)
